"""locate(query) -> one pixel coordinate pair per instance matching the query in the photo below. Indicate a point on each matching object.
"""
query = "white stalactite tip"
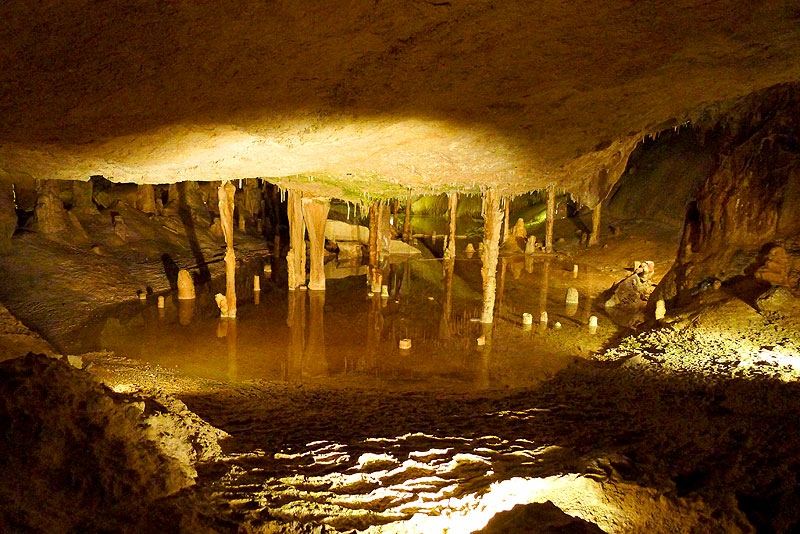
(405, 344)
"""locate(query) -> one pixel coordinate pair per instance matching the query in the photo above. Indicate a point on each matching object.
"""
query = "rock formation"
(748, 201)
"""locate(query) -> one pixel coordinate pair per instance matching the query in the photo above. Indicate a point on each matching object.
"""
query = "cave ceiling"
(371, 98)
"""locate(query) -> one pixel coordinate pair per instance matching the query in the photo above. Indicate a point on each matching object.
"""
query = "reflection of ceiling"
(371, 97)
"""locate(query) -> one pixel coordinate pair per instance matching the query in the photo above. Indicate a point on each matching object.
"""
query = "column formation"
(492, 222)
(296, 257)
(315, 214)
(226, 194)
(550, 220)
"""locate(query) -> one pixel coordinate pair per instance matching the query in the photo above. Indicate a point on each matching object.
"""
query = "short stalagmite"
(315, 213)
(226, 193)
(492, 222)
(185, 285)
(407, 231)
(296, 257)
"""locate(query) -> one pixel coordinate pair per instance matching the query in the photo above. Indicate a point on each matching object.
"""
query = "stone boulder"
(341, 231)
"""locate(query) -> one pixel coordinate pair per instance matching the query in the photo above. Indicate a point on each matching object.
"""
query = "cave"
(415, 266)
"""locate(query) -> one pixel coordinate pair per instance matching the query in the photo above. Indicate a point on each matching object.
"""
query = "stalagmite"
(492, 221)
(593, 324)
(530, 245)
(296, 257)
(185, 285)
(145, 198)
(256, 283)
(594, 237)
(315, 213)
(226, 193)
(543, 318)
(550, 219)
(572, 296)
(160, 302)
(450, 251)
(575, 271)
(661, 309)
(519, 231)
(375, 276)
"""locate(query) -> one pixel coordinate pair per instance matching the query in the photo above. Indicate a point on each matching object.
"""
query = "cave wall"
(748, 204)
(663, 176)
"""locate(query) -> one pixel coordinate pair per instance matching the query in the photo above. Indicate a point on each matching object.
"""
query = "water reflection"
(342, 333)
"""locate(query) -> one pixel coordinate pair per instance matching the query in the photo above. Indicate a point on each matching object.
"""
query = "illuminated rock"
(185, 285)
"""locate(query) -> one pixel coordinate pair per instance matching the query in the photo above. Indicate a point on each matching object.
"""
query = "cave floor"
(680, 428)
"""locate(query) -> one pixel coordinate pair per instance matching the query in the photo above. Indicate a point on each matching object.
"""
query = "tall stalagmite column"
(226, 193)
(407, 221)
(374, 276)
(450, 252)
(492, 222)
(315, 214)
(296, 257)
(506, 215)
(594, 237)
(550, 220)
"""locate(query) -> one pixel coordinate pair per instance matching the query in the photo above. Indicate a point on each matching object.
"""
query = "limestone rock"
(52, 220)
(777, 299)
(776, 267)
(342, 231)
(8, 217)
(399, 248)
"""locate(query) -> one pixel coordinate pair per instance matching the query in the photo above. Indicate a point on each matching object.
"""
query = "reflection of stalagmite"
(374, 329)
(185, 285)
(445, 328)
(315, 213)
(296, 257)
(492, 221)
(485, 352)
(550, 219)
(594, 237)
(296, 321)
(185, 311)
(543, 283)
(450, 251)
(315, 363)
(501, 290)
(226, 193)
(227, 329)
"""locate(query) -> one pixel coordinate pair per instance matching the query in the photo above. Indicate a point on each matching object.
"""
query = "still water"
(345, 335)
